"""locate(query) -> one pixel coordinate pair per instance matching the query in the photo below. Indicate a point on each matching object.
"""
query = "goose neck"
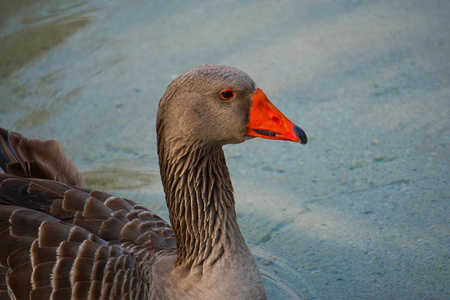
(199, 196)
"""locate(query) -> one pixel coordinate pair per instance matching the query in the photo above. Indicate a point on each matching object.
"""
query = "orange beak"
(267, 122)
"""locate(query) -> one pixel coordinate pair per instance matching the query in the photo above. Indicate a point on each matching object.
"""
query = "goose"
(62, 240)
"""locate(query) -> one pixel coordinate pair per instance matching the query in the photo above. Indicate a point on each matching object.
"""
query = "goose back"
(70, 241)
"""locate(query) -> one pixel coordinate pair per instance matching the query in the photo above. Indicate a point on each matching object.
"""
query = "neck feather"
(200, 199)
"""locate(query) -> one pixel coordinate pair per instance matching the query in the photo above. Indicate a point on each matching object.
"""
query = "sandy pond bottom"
(361, 212)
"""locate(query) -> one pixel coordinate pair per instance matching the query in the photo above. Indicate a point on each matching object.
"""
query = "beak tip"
(300, 133)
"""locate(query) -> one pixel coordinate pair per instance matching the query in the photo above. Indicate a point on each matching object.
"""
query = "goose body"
(61, 240)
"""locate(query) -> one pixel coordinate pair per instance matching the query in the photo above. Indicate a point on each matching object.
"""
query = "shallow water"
(360, 212)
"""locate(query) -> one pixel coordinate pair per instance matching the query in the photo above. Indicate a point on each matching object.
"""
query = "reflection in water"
(40, 114)
(118, 174)
(36, 29)
(37, 34)
(23, 46)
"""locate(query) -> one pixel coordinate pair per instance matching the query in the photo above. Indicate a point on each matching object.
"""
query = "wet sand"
(361, 212)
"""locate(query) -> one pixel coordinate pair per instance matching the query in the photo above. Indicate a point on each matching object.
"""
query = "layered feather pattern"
(61, 241)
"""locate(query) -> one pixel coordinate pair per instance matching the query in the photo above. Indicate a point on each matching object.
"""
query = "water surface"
(360, 212)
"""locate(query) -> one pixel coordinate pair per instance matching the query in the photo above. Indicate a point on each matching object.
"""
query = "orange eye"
(227, 94)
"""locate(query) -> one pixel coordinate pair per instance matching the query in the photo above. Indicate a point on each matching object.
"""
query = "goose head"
(217, 104)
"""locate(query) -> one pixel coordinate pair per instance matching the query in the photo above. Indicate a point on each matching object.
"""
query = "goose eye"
(227, 94)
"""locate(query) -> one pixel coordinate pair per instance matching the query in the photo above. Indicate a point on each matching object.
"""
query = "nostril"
(276, 120)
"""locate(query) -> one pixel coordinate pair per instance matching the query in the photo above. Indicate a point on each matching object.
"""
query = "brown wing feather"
(35, 158)
(60, 241)
(72, 242)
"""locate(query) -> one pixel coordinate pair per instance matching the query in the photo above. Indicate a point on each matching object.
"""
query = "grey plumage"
(61, 240)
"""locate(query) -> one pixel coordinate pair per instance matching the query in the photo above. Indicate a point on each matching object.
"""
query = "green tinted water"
(360, 212)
